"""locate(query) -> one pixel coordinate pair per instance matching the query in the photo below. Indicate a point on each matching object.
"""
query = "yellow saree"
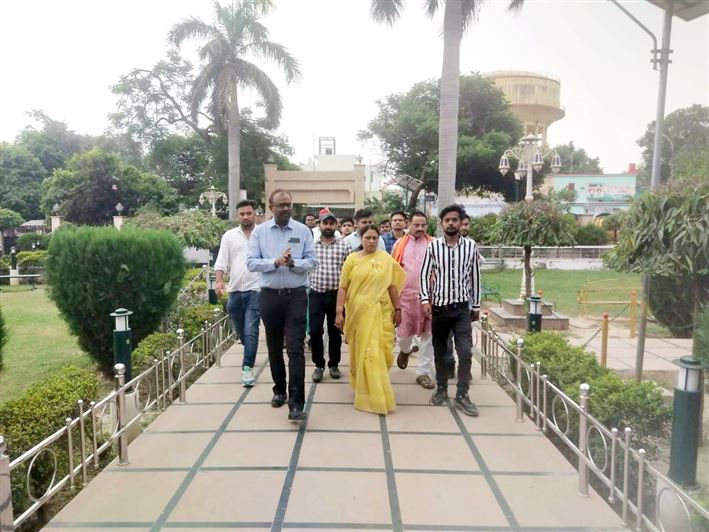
(369, 327)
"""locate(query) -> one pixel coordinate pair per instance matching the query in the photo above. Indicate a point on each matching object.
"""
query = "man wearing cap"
(316, 229)
(330, 253)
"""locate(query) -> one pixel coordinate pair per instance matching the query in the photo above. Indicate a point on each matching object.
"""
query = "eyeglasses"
(282, 205)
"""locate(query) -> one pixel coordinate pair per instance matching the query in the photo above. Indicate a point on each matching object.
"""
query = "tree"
(21, 175)
(54, 143)
(457, 15)
(390, 202)
(9, 219)
(665, 233)
(576, 161)
(237, 33)
(406, 128)
(687, 139)
(193, 228)
(537, 223)
(95, 270)
(93, 183)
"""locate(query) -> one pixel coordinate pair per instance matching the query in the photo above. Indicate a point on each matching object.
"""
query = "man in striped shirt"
(450, 296)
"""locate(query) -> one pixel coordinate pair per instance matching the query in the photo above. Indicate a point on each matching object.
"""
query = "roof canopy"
(684, 9)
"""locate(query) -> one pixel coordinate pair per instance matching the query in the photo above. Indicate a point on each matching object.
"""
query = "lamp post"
(686, 421)
(530, 155)
(212, 195)
(13, 258)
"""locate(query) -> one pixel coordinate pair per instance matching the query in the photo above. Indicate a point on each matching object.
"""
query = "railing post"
(170, 377)
(483, 345)
(6, 518)
(82, 435)
(633, 312)
(641, 476)
(604, 340)
(583, 439)
(518, 388)
(217, 335)
(626, 475)
(539, 396)
(183, 380)
(120, 371)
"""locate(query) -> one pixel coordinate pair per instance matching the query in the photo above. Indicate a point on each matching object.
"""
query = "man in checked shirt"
(450, 296)
(331, 253)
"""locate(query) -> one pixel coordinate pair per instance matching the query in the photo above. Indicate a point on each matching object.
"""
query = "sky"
(62, 57)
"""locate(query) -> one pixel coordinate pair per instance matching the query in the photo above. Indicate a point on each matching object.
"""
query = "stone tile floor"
(227, 460)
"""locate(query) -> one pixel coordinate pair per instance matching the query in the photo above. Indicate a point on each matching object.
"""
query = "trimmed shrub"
(591, 235)
(615, 402)
(3, 335)
(665, 294)
(192, 319)
(25, 241)
(194, 228)
(38, 413)
(93, 271)
(151, 347)
(4, 268)
(29, 262)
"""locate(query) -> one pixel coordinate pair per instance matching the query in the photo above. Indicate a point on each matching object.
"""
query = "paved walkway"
(226, 459)
(659, 352)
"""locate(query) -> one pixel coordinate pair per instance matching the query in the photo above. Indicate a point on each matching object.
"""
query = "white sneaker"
(247, 377)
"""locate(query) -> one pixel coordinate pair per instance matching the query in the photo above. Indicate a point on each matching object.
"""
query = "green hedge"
(36, 414)
(591, 235)
(615, 402)
(25, 241)
(93, 271)
(152, 347)
(29, 262)
(192, 319)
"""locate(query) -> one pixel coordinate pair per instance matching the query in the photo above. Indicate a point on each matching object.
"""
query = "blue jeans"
(245, 313)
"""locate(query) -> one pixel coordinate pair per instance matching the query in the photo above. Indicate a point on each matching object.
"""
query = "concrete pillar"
(118, 222)
(56, 222)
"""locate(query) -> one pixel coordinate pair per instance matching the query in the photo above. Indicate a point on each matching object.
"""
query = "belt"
(451, 306)
(283, 291)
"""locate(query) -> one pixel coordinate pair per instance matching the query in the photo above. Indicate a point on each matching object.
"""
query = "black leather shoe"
(463, 402)
(439, 396)
(279, 399)
(297, 415)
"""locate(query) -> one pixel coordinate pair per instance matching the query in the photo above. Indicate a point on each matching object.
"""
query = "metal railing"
(645, 498)
(67, 457)
(512, 252)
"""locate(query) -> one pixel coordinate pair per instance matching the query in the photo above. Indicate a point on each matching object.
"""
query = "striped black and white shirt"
(451, 274)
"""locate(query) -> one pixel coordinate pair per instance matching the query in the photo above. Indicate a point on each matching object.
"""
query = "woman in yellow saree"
(368, 309)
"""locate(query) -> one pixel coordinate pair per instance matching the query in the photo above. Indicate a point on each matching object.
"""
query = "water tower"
(534, 98)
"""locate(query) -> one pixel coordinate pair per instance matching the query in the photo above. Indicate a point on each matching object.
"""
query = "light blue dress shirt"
(268, 242)
(355, 240)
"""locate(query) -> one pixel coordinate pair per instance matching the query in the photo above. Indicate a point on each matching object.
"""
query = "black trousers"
(283, 312)
(444, 321)
(322, 308)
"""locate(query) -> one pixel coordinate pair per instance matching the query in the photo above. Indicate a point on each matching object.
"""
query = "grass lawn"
(561, 287)
(39, 341)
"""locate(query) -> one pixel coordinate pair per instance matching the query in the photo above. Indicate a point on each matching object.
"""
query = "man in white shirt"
(243, 305)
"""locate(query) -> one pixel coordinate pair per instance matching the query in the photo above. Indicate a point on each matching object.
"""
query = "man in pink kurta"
(409, 251)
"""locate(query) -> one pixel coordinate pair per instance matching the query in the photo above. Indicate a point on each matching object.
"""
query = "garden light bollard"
(584, 390)
(686, 421)
(211, 283)
(604, 340)
(122, 341)
(519, 417)
(534, 317)
(6, 518)
(120, 371)
(183, 381)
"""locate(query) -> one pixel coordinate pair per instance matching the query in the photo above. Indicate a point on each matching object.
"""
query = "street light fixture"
(212, 195)
(530, 156)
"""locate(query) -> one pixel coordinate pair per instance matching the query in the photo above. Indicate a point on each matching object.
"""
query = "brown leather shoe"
(403, 360)
(426, 382)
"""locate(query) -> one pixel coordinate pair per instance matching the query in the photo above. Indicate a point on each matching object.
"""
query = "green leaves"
(536, 223)
(93, 271)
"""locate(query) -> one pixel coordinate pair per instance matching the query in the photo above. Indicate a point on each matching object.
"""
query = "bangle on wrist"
(339, 308)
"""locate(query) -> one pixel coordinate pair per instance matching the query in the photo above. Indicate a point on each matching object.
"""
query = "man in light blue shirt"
(282, 251)
(363, 219)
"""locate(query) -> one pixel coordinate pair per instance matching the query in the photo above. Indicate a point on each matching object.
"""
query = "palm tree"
(457, 15)
(235, 34)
